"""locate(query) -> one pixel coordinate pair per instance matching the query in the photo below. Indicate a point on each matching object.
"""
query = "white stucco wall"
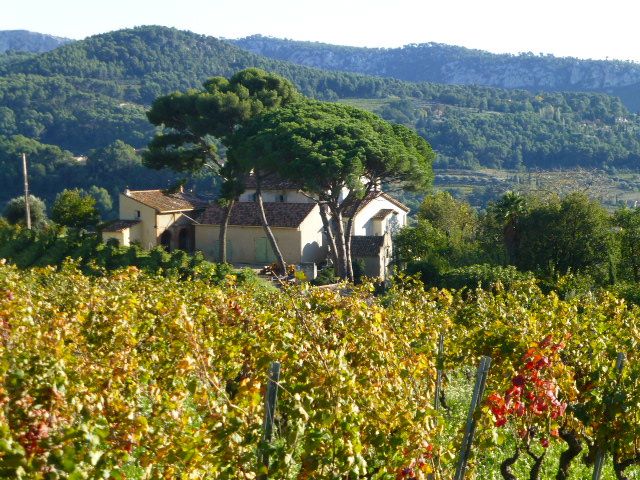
(290, 196)
(363, 224)
(312, 238)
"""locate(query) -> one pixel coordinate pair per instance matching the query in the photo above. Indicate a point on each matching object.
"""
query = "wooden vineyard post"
(601, 453)
(440, 360)
(270, 402)
(470, 428)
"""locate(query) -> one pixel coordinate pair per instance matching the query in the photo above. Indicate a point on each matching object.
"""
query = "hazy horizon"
(564, 29)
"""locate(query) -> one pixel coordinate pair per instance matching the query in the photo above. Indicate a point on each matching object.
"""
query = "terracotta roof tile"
(279, 214)
(366, 245)
(166, 202)
(119, 225)
(370, 197)
(383, 213)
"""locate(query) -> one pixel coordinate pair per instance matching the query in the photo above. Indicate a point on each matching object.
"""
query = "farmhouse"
(183, 221)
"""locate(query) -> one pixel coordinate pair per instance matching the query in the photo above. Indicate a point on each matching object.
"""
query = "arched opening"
(165, 240)
(184, 240)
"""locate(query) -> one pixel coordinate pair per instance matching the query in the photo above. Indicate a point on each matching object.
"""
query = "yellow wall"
(152, 225)
(242, 241)
(291, 196)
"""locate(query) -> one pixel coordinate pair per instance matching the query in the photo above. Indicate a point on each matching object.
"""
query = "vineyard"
(130, 375)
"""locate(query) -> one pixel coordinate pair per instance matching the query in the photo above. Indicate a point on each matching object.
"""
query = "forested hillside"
(436, 62)
(82, 97)
(25, 41)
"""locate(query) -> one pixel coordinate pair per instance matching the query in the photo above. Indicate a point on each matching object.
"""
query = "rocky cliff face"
(25, 41)
(433, 62)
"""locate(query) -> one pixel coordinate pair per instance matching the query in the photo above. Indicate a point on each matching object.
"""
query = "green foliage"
(483, 276)
(90, 93)
(190, 121)
(15, 211)
(176, 389)
(568, 242)
(327, 146)
(51, 169)
(25, 41)
(627, 221)
(50, 246)
(326, 276)
(475, 126)
(456, 219)
(571, 234)
(75, 208)
(444, 237)
(104, 203)
(440, 63)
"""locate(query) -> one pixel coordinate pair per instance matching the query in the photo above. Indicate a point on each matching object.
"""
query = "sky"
(583, 29)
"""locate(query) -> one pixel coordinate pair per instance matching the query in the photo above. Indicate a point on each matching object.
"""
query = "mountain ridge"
(89, 94)
(27, 41)
(441, 63)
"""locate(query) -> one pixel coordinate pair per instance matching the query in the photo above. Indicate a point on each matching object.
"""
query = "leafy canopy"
(192, 121)
(328, 146)
(15, 213)
(75, 208)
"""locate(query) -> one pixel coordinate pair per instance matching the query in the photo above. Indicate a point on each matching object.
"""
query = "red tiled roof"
(279, 214)
(119, 225)
(349, 211)
(161, 201)
(366, 245)
(383, 213)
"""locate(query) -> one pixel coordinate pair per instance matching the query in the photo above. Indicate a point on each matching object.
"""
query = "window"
(281, 198)
(137, 213)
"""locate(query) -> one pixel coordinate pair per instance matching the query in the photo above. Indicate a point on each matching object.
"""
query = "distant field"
(484, 185)
(370, 104)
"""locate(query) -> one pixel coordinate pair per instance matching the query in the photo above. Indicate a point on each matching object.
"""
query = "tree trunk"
(619, 466)
(222, 237)
(341, 250)
(272, 239)
(347, 240)
(505, 466)
(329, 233)
(567, 456)
(534, 473)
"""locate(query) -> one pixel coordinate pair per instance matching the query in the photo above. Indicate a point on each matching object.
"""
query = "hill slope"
(25, 41)
(87, 94)
(435, 62)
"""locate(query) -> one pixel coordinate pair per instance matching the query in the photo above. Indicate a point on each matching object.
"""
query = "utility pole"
(27, 210)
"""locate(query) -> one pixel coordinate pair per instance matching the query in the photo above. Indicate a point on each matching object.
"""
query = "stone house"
(155, 217)
(184, 221)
